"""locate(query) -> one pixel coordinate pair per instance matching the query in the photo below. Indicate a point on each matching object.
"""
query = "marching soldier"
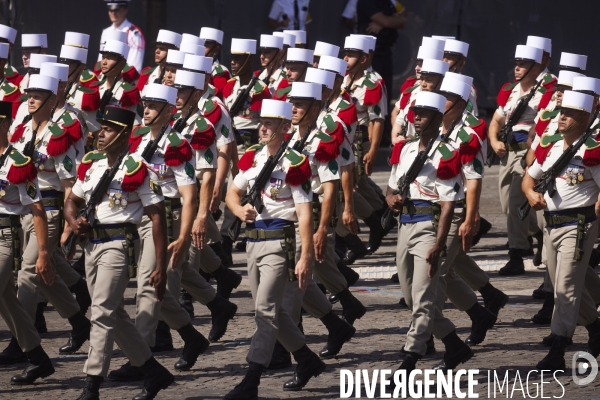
(110, 249)
(455, 54)
(165, 41)
(35, 64)
(571, 224)
(129, 73)
(213, 40)
(426, 217)
(300, 35)
(289, 42)
(8, 35)
(296, 63)
(271, 57)
(8, 91)
(286, 197)
(31, 44)
(545, 45)
(324, 49)
(20, 194)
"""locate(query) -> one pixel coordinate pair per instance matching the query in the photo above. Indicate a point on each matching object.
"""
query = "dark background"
(492, 28)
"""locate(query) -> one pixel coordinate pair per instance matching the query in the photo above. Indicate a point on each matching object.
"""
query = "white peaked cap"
(4, 51)
(189, 79)
(431, 66)
(198, 63)
(243, 46)
(77, 39)
(326, 49)
(372, 40)
(433, 43)
(55, 70)
(333, 64)
(114, 46)
(529, 53)
(187, 38)
(577, 101)
(36, 60)
(271, 42)
(289, 39)
(540, 42)
(460, 77)
(300, 55)
(43, 83)
(565, 77)
(34, 40)
(457, 47)
(320, 76)
(300, 35)
(430, 101)
(175, 57)
(8, 33)
(120, 36)
(305, 90)
(212, 34)
(73, 53)
(456, 87)
(429, 52)
(587, 85)
(169, 37)
(162, 93)
(276, 109)
(439, 37)
(358, 43)
(190, 48)
(573, 60)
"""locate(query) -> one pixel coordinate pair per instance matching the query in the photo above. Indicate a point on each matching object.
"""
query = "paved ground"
(512, 346)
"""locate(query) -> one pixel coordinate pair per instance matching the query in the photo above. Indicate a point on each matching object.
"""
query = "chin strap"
(115, 139)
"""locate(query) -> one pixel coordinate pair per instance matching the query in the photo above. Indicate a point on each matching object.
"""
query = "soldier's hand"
(247, 214)
(466, 231)
(178, 249)
(158, 280)
(394, 201)
(536, 200)
(349, 220)
(320, 243)
(216, 200)
(44, 269)
(199, 232)
(368, 160)
(82, 227)
(498, 148)
(433, 259)
(303, 273)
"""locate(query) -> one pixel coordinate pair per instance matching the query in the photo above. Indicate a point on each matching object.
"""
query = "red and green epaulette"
(220, 71)
(204, 135)
(405, 96)
(72, 125)
(135, 174)
(477, 124)
(549, 81)
(397, 150)
(246, 161)
(282, 94)
(18, 133)
(591, 156)
(135, 138)
(373, 92)
(334, 129)
(60, 140)
(90, 98)
(98, 68)
(546, 98)
(346, 111)
(469, 145)
(228, 87)
(298, 171)
(260, 92)
(219, 79)
(87, 161)
(130, 95)
(178, 150)
(22, 169)
(212, 111)
(284, 83)
(545, 145)
(12, 75)
(505, 92)
(545, 117)
(87, 78)
(328, 148)
(449, 166)
(409, 82)
(130, 74)
(144, 76)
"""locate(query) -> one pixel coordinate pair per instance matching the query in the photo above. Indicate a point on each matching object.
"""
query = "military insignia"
(155, 187)
(224, 131)
(477, 166)
(189, 170)
(3, 185)
(345, 154)
(208, 156)
(574, 174)
(333, 166)
(160, 170)
(68, 163)
(30, 188)
(39, 159)
(306, 187)
(456, 187)
(276, 185)
(117, 198)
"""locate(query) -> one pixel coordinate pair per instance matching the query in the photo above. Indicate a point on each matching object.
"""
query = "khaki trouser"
(366, 188)
(268, 277)
(568, 278)
(64, 268)
(148, 310)
(362, 209)
(212, 230)
(30, 283)
(512, 197)
(191, 280)
(11, 309)
(107, 277)
(414, 241)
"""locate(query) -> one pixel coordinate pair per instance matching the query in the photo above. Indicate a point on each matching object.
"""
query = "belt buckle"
(262, 234)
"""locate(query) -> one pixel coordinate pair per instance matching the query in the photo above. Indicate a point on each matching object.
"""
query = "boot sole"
(464, 359)
(230, 317)
(41, 376)
(191, 364)
(315, 374)
(165, 385)
(358, 316)
(124, 379)
(540, 321)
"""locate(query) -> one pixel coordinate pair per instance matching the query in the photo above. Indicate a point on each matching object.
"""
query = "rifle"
(88, 212)
(153, 144)
(506, 134)
(411, 175)
(179, 125)
(161, 76)
(547, 182)
(108, 94)
(237, 105)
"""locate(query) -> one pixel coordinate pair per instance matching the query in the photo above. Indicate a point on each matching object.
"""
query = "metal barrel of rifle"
(523, 210)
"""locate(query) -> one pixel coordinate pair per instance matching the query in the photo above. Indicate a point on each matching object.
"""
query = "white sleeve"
(66, 163)
(185, 173)
(276, 10)
(535, 171)
(350, 10)
(146, 195)
(77, 189)
(300, 195)
(328, 171)
(25, 197)
(240, 181)
(393, 181)
(137, 46)
(450, 189)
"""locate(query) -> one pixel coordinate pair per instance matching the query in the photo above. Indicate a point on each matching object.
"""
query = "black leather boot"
(40, 366)
(595, 257)
(353, 309)
(544, 316)
(79, 334)
(376, 231)
(356, 249)
(484, 228)
(281, 358)
(340, 246)
(515, 265)
(12, 354)
(187, 302)
(548, 340)
(40, 321)
(340, 332)
(493, 299)
(409, 363)
(457, 352)
(555, 359)
(227, 246)
(127, 373)
(247, 389)
(156, 378)
(537, 258)
(539, 293)
(91, 391)
(221, 312)
(227, 280)
(220, 252)
(164, 340)
(82, 295)
(594, 338)
(309, 365)
(350, 275)
(194, 345)
(402, 303)
(482, 320)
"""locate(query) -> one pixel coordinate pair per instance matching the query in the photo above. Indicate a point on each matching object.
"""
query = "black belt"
(124, 231)
(586, 214)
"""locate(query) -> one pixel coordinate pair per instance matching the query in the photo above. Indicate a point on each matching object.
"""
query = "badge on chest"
(161, 170)
(276, 185)
(3, 186)
(117, 198)
(574, 174)
(39, 159)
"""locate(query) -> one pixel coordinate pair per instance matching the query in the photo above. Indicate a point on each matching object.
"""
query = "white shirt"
(286, 7)
(527, 118)
(366, 113)
(16, 197)
(135, 40)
